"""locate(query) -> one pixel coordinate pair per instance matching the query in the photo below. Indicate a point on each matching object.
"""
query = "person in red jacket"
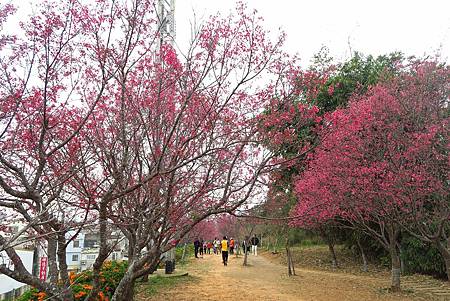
(209, 247)
(231, 245)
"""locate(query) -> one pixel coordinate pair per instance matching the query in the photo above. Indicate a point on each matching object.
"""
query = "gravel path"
(266, 280)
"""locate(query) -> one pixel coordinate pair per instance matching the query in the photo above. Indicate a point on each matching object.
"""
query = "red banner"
(43, 268)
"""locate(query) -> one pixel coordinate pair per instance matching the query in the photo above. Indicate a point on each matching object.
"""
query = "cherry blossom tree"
(177, 141)
(103, 126)
(382, 161)
(46, 69)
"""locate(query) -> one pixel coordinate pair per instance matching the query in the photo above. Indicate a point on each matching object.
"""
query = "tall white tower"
(166, 20)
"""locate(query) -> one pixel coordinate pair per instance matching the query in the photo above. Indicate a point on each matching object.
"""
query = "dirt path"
(265, 280)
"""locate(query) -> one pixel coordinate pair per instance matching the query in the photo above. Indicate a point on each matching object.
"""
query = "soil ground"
(266, 279)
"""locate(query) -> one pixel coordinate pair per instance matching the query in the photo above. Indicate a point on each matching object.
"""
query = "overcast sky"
(372, 27)
(415, 27)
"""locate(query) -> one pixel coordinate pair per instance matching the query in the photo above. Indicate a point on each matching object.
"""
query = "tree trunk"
(52, 265)
(66, 291)
(290, 262)
(102, 253)
(184, 252)
(363, 255)
(245, 253)
(402, 262)
(288, 259)
(334, 261)
(148, 269)
(395, 258)
(62, 261)
(291, 268)
(396, 270)
(445, 253)
(125, 289)
(330, 243)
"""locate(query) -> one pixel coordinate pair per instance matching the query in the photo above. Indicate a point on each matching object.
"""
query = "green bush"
(421, 257)
(29, 295)
(110, 275)
(304, 237)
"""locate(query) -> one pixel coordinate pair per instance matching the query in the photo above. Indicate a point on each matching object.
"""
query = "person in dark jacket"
(196, 247)
(201, 247)
(255, 242)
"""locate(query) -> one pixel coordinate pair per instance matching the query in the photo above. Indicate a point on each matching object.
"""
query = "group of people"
(204, 246)
(224, 246)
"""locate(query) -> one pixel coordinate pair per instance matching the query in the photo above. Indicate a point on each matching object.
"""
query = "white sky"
(372, 27)
(415, 27)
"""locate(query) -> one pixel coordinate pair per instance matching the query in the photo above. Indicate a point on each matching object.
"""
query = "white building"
(8, 286)
(73, 251)
(88, 257)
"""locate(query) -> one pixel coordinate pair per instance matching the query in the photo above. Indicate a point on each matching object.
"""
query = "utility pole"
(166, 24)
(166, 21)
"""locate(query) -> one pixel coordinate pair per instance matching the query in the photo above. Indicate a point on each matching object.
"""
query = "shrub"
(420, 257)
(110, 275)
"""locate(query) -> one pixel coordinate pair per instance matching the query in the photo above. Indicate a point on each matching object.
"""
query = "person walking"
(224, 245)
(231, 245)
(255, 242)
(201, 247)
(209, 247)
(215, 245)
(196, 247)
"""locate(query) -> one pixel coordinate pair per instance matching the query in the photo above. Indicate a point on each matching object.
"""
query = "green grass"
(158, 283)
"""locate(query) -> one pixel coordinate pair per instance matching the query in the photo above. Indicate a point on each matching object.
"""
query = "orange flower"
(72, 277)
(80, 294)
(87, 286)
(102, 297)
(41, 296)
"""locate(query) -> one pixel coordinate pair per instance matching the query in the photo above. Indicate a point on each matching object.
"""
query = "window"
(89, 243)
(76, 243)
(91, 256)
(75, 257)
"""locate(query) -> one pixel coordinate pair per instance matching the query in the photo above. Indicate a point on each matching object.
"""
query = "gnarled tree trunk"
(125, 289)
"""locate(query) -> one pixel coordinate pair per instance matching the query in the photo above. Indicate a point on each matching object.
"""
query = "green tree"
(353, 76)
